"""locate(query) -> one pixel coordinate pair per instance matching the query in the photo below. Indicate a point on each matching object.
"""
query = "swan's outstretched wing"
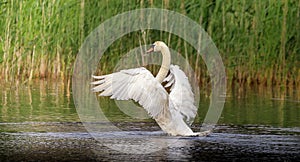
(181, 95)
(137, 84)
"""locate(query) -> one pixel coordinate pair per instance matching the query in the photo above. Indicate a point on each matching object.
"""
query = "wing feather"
(181, 95)
(137, 84)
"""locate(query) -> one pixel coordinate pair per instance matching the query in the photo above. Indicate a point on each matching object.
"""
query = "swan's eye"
(152, 46)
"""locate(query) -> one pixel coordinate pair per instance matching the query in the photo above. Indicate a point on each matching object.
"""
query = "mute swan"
(173, 112)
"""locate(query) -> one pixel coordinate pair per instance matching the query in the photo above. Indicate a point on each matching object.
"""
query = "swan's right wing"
(137, 84)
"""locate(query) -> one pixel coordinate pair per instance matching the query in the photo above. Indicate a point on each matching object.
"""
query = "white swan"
(173, 112)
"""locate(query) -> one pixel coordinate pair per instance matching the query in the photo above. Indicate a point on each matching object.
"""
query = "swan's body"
(173, 112)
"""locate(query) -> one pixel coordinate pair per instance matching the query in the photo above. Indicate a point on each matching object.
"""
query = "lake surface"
(39, 122)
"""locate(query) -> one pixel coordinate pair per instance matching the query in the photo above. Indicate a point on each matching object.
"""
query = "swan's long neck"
(165, 66)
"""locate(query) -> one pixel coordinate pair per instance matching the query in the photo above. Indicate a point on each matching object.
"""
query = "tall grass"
(39, 38)
(259, 41)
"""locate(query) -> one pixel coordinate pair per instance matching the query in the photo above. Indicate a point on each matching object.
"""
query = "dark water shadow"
(71, 143)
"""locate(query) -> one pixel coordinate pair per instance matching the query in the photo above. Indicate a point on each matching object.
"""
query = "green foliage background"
(259, 41)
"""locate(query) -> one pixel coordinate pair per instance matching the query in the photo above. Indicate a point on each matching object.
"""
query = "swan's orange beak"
(151, 49)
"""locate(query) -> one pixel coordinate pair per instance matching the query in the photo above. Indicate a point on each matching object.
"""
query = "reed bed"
(259, 41)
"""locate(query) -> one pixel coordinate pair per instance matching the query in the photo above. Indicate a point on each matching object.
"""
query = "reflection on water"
(259, 106)
(39, 122)
(51, 101)
(40, 101)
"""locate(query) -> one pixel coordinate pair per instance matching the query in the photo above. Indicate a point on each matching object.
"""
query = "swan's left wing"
(181, 96)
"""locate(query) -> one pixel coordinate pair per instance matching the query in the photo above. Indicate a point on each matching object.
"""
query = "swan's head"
(157, 47)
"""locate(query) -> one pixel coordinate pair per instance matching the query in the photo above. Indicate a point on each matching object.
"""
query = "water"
(39, 122)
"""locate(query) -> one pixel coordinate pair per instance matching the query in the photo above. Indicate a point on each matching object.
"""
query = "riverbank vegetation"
(259, 41)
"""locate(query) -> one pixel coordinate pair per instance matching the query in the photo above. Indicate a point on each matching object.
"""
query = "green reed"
(259, 41)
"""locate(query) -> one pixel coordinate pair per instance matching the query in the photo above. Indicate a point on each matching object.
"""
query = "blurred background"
(259, 42)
